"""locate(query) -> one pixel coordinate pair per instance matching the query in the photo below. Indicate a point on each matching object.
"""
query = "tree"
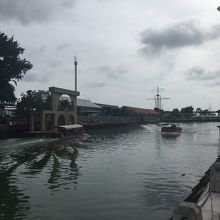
(187, 110)
(12, 67)
(32, 100)
(205, 112)
(175, 113)
(198, 110)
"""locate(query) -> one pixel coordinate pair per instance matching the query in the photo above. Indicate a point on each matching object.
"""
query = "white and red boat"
(64, 131)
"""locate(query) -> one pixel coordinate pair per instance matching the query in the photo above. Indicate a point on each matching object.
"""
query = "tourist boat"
(64, 131)
(170, 129)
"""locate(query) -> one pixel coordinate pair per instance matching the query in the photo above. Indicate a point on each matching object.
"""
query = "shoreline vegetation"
(217, 119)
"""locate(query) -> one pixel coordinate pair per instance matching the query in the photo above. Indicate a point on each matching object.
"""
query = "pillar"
(31, 125)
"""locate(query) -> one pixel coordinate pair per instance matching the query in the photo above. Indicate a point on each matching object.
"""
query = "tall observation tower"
(158, 99)
(75, 64)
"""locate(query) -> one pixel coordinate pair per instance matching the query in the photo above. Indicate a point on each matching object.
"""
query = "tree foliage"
(175, 113)
(12, 67)
(32, 100)
(188, 109)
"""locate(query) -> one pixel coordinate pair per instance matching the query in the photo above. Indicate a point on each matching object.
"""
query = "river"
(119, 173)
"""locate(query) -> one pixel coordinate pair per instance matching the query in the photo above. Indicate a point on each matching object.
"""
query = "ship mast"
(158, 99)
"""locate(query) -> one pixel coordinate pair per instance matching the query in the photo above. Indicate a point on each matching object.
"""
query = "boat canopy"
(69, 127)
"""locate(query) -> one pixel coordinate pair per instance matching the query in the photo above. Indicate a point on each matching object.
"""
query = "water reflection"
(29, 162)
(13, 203)
(36, 166)
(60, 162)
(55, 174)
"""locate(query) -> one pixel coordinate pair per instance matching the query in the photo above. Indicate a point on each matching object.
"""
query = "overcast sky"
(125, 48)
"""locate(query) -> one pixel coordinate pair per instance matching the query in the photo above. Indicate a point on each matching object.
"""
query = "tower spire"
(75, 64)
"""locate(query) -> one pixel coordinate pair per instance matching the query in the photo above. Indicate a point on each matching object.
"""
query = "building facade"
(45, 120)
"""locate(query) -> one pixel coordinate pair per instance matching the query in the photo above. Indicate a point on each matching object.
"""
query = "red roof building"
(146, 115)
(142, 111)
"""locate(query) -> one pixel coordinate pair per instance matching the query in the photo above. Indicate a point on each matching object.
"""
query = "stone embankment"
(105, 121)
(204, 201)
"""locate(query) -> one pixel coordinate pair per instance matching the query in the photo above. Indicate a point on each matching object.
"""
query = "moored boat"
(64, 131)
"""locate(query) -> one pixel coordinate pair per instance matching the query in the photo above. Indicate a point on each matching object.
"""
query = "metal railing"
(96, 120)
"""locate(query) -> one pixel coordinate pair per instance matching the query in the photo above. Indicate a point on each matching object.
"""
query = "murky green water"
(121, 173)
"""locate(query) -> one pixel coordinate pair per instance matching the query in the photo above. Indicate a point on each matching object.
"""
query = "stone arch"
(61, 120)
(71, 119)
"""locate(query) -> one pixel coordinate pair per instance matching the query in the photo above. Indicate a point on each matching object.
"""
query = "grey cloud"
(213, 84)
(112, 73)
(42, 49)
(32, 11)
(35, 77)
(186, 33)
(62, 46)
(211, 78)
(96, 85)
(68, 3)
(54, 63)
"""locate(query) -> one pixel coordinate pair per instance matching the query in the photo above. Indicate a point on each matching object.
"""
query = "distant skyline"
(124, 49)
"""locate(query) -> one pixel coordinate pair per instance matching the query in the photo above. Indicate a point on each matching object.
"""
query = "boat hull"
(170, 134)
(67, 132)
(171, 130)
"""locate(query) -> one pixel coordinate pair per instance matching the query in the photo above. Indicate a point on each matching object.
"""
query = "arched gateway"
(55, 116)
(61, 120)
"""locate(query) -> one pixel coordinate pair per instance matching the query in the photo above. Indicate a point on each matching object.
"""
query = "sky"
(124, 48)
